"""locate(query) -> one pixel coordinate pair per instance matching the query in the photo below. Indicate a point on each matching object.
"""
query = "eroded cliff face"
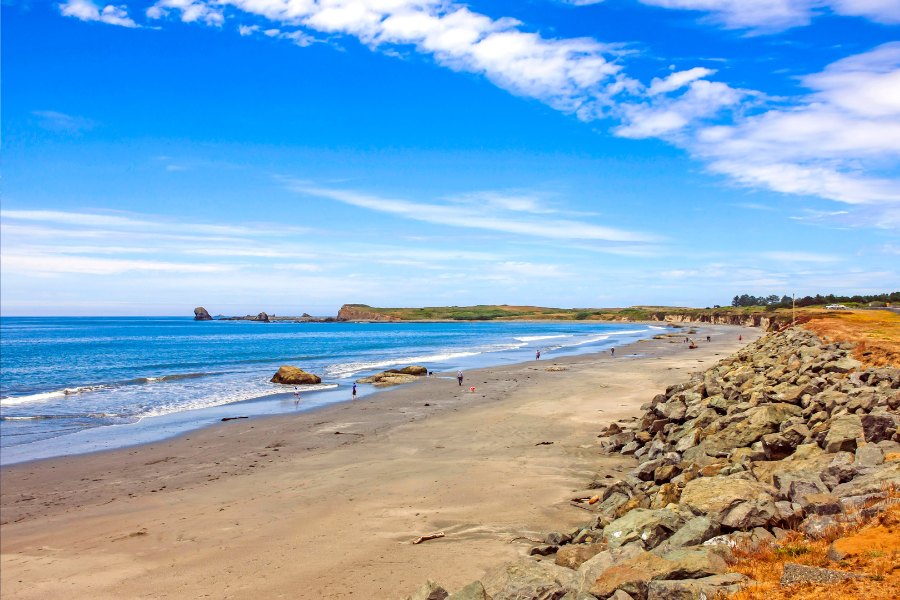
(361, 312)
(766, 322)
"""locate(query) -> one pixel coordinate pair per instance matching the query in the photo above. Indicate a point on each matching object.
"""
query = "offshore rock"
(200, 314)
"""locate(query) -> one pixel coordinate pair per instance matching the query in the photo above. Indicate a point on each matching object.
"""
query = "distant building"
(837, 307)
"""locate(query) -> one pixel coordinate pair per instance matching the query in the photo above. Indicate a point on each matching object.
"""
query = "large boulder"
(844, 434)
(200, 314)
(632, 576)
(750, 427)
(294, 376)
(645, 526)
(735, 503)
(395, 376)
(527, 579)
(590, 570)
(428, 591)
(262, 317)
(714, 586)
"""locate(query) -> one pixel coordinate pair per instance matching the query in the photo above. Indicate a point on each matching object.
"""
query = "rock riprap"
(294, 376)
(790, 432)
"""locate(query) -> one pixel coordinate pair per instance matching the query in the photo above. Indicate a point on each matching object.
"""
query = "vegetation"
(773, 301)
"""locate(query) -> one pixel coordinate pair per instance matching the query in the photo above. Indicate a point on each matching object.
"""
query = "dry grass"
(876, 333)
(872, 547)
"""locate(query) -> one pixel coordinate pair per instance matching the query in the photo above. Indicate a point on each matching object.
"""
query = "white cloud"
(52, 120)
(465, 217)
(678, 80)
(800, 257)
(830, 144)
(85, 10)
(191, 11)
(764, 16)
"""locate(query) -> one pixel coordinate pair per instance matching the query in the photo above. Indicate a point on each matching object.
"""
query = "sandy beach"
(324, 504)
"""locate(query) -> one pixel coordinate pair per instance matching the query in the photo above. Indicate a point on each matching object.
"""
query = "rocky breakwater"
(395, 376)
(789, 433)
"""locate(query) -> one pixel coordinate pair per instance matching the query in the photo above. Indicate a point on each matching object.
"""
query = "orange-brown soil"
(876, 333)
(872, 548)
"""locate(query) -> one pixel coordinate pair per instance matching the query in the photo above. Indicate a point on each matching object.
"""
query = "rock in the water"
(527, 579)
(794, 573)
(294, 376)
(200, 314)
(735, 503)
(262, 317)
(395, 376)
(429, 591)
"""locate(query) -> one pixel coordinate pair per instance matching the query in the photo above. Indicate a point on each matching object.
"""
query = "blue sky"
(294, 155)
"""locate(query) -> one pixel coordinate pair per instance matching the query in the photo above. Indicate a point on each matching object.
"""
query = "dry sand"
(286, 507)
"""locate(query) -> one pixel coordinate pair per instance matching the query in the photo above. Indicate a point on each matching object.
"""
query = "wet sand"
(324, 504)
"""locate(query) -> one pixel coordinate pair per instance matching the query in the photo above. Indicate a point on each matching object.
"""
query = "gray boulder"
(645, 526)
(429, 591)
(735, 503)
(473, 591)
(527, 579)
(693, 589)
(844, 433)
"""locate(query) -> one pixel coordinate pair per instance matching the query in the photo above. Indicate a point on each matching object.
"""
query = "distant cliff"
(363, 312)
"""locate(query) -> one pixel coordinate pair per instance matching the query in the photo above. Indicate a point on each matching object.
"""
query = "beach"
(324, 504)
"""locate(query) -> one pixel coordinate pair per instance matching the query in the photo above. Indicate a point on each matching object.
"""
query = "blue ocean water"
(62, 376)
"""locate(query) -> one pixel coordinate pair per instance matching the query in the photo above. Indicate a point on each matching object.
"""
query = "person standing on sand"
(613, 352)
(537, 355)
(459, 377)
(354, 391)
(296, 396)
(708, 339)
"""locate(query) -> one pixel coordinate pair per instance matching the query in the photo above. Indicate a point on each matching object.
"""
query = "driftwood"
(544, 444)
(233, 418)
(429, 536)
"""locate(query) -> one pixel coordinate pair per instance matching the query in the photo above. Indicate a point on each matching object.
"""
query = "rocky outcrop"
(200, 314)
(395, 376)
(294, 376)
(362, 312)
(790, 432)
(263, 317)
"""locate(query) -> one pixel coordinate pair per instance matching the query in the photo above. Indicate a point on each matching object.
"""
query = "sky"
(295, 155)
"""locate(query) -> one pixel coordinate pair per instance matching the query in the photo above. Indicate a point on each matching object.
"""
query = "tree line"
(774, 301)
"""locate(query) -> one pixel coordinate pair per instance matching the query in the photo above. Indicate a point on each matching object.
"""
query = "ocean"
(78, 384)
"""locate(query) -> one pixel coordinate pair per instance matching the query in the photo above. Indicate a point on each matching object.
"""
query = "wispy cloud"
(58, 122)
(85, 10)
(465, 217)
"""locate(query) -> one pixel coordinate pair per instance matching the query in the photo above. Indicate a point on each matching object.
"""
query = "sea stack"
(200, 314)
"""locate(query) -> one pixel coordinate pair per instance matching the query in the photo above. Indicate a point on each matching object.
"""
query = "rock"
(876, 480)
(555, 538)
(879, 427)
(429, 591)
(527, 579)
(632, 576)
(869, 455)
(648, 527)
(294, 376)
(620, 595)
(794, 573)
(693, 533)
(473, 591)
(735, 503)
(416, 370)
(575, 555)
(669, 493)
(200, 314)
(753, 424)
(819, 526)
(695, 562)
(844, 433)
(543, 550)
(591, 569)
(263, 317)
(714, 586)
(392, 377)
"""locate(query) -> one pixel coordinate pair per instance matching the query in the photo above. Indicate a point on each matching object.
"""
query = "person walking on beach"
(459, 377)
(537, 355)
(613, 352)
(354, 391)
(708, 339)
(296, 396)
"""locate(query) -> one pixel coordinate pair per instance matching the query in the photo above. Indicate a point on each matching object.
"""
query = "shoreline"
(158, 428)
(325, 502)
